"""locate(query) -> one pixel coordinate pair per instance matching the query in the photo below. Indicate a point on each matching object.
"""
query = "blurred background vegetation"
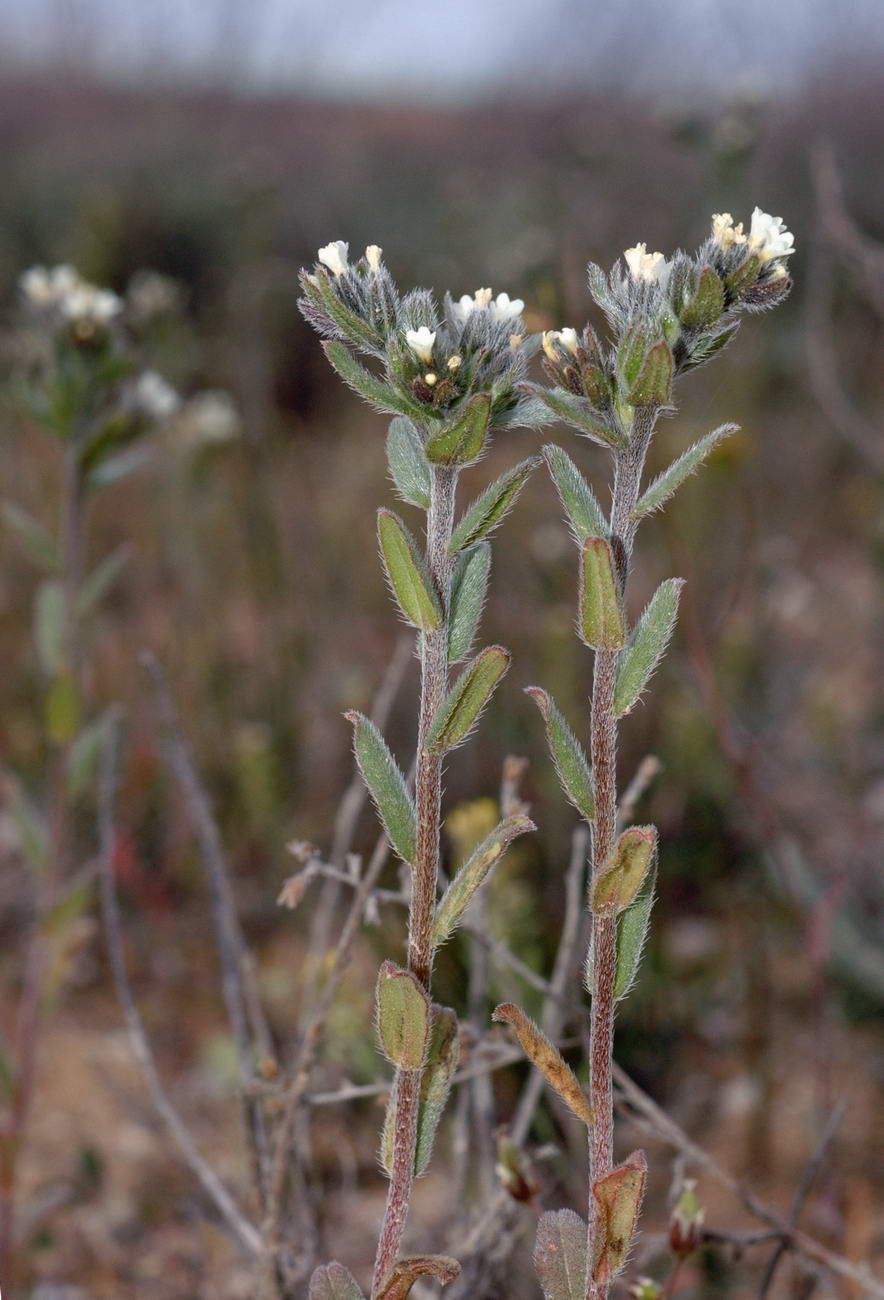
(252, 572)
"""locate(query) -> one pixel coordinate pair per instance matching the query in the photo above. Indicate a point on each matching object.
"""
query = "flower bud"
(514, 1169)
(421, 343)
(334, 256)
(645, 1288)
(373, 256)
(686, 1224)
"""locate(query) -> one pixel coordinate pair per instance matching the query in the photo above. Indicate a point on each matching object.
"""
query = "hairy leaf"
(571, 764)
(462, 441)
(408, 462)
(397, 1285)
(33, 537)
(333, 1282)
(407, 574)
(560, 1255)
(623, 872)
(618, 1199)
(632, 931)
(548, 1059)
(376, 391)
(665, 484)
(443, 1057)
(386, 785)
(707, 302)
(602, 622)
(492, 506)
(469, 586)
(577, 412)
(464, 703)
(403, 1016)
(654, 383)
(646, 645)
(585, 515)
(473, 873)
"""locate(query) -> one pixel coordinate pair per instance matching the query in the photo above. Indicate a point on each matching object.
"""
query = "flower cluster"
(61, 294)
(435, 361)
(667, 316)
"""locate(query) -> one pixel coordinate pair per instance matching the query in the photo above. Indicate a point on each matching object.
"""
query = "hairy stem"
(428, 799)
(628, 466)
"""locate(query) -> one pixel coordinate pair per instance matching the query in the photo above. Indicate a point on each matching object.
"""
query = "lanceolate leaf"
(567, 753)
(560, 1255)
(49, 621)
(601, 622)
(352, 326)
(618, 1199)
(443, 1056)
(101, 579)
(646, 645)
(33, 537)
(548, 1059)
(462, 706)
(585, 515)
(386, 785)
(472, 874)
(408, 462)
(376, 391)
(397, 1286)
(654, 383)
(632, 931)
(333, 1282)
(407, 574)
(625, 869)
(707, 302)
(665, 484)
(489, 509)
(464, 440)
(469, 586)
(577, 412)
(403, 1017)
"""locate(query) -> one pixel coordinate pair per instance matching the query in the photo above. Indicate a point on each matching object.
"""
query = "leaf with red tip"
(618, 1199)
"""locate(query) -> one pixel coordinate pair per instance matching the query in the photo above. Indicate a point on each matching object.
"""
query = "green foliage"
(469, 585)
(577, 411)
(403, 1017)
(462, 441)
(49, 626)
(99, 582)
(407, 459)
(618, 1199)
(386, 785)
(443, 1057)
(487, 511)
(632, 931)
(560, 1255)
(376, 391)
(407, 574)
(671, 479)
(473, 873)
(623, 872)
(706, 304)
(33, 537)
(333, 1282)
(585, 515)
(646, 645)
(571, 764)
(464, 703)
(653, 385)
(601, 619)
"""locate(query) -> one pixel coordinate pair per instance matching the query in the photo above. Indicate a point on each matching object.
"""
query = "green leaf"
(386, 785)
(407, 573)
(113, 469)
(576, 411)
(49, 626)
(62, 709)
(492, 506)
(408, 463)
(632, 931)
(547, 1058)
(585, 515)
(707, 346)
(102, 578)
(405, 1272)
(631, 355)
(571, 764)
(462, 441)
(707, 303)
(84, 754)
(33, 536)
(443, 1057)
(618, 1199)
(375, 391)
(469, 586)
(646, 645)
(32, 830)
(744, 276)
(653, 387)
(624, 871)
(403, 1017)
(473, 873)
(560, 1255)
(333, 1282)
(462, 706)
(601, 621)
(359, 331)
(665, 484)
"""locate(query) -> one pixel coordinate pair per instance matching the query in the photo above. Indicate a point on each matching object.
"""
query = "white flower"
(724, 232)
(209, 417)
(566, 338)
(769, 237)
(505, 308)
(463, 309)
(153, 397)
(650, 267)
(48, 287)
(334, 256)
(86, 303)
(421, 343)
(454, 362)
(373, 256)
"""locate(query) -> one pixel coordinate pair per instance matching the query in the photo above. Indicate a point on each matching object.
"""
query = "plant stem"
(628, 466)
(428, 799)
